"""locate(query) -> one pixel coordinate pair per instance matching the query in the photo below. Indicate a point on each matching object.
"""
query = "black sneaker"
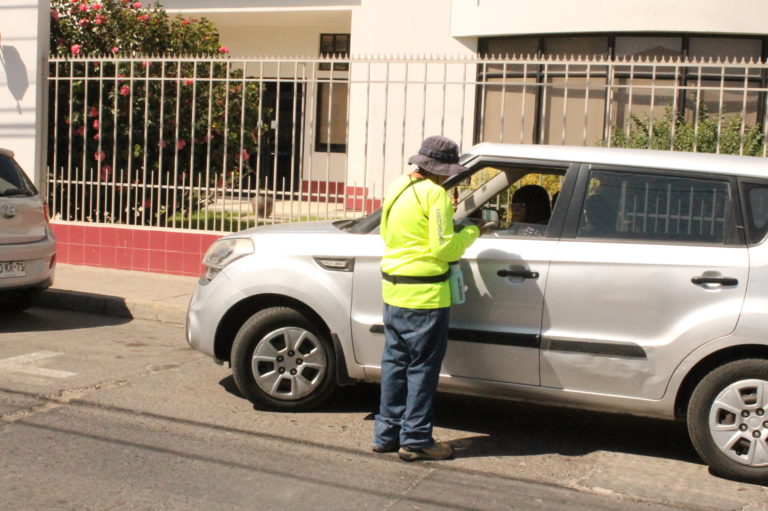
(436, 451)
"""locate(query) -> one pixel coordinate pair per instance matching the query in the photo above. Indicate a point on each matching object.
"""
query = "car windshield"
(13, 181)
(369, 223)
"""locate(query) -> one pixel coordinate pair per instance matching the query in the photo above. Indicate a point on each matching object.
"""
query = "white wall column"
(24, 33)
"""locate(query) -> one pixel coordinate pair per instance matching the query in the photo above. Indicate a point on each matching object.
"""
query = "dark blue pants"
(415, 342)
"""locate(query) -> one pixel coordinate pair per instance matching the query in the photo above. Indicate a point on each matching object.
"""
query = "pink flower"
(245, 154)
(137, 5)
(83, 7)
(55, 15)
(83, 22)
(75, 49)
(99, 19)
(96, 124)
(125, 90)
(163, 144)
(93, 111)
(188, 82)
(96, 136)
(223, 49)
(143, 17)
(99, 155)
(80, 130)
(106, 173)
(96, 7)
(144, 64)
(183, 22)
(115, 49)
(181, 144)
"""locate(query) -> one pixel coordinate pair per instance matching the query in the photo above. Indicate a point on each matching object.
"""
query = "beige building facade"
(392, 104)
(413, 71)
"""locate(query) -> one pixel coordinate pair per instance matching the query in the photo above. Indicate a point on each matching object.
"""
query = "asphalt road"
(99, 412)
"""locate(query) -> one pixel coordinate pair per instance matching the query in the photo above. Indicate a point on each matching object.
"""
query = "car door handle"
(725, 281)
(526, 274)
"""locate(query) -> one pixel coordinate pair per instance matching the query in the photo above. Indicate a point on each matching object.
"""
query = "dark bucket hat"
(438, 155)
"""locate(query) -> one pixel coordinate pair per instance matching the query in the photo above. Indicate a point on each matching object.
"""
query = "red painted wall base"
(153, 250)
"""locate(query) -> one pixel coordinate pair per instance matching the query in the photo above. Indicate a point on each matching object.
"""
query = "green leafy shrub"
(678, 134)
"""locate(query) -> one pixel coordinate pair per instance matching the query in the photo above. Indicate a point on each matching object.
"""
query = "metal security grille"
(224, 144)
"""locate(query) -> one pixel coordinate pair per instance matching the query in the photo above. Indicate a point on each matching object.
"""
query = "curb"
(111, 306)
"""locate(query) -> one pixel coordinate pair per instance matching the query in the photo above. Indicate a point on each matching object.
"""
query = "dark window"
(636, 206)
(332, 93)
(756, 197)
(334, 46)
(332, 116)
(536, 92)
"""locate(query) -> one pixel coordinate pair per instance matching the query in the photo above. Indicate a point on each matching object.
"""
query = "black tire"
(297, 370)
(18, 301)
(732, 443)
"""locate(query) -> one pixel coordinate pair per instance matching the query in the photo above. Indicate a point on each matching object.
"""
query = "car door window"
(756, 202)
(653, 207)
(519, 200)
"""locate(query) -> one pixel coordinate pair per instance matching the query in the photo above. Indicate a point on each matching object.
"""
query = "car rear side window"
(756, 202)
(654, 207)
(12, 178)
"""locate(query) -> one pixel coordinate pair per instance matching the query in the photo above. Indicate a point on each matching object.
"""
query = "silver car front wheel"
(728, 420)
(289, 363)
(281, 360)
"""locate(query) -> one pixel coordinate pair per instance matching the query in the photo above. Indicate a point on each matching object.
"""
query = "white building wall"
(24, 26)
(472, 18)
(387, 120)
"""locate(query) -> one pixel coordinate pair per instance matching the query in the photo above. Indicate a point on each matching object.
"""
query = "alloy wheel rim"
(289, 363)
(738, 422)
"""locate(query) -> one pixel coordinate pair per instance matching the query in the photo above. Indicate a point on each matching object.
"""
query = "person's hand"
(486, 227)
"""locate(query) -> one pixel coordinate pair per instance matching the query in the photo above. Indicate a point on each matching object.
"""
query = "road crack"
(408, 490)
(63, 397)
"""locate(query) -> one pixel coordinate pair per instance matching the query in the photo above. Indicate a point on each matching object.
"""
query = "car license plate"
(12, 269)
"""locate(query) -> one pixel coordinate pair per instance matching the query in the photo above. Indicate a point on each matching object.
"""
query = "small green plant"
(213, 221)
(673, 132)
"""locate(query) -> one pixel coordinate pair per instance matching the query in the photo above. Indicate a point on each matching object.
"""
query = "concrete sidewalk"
(131, 294)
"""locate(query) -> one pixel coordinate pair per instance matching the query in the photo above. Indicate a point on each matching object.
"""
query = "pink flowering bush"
(99, 26)
(105, 125)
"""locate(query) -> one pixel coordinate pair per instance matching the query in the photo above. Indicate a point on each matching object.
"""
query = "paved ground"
(100, 412)
(123, 293)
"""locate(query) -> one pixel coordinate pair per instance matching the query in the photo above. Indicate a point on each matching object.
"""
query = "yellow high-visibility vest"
(419, 241)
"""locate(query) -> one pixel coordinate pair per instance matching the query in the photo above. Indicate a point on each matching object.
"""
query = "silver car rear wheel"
(283, 360)
(738, 424)
(289, 363)
(728, 420)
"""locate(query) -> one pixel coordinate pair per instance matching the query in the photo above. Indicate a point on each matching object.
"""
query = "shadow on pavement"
(509, 428)
(506, 428)
(39, 319)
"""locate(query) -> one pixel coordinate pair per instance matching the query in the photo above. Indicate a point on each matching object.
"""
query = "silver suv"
(642, 289)
(27, 245)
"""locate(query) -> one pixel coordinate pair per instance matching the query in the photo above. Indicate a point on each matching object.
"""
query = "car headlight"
(224, 252)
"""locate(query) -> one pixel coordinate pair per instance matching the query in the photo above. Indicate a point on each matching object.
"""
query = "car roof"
(672, 160)
(6, 152)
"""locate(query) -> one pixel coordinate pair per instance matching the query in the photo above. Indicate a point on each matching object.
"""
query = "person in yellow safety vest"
(419, 243)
